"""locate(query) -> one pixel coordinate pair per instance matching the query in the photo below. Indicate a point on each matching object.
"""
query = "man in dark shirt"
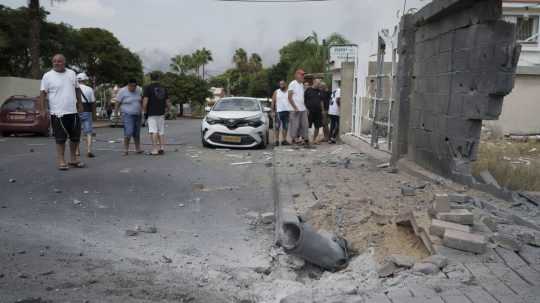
(155, 103)
(314, 104)
(326, 96)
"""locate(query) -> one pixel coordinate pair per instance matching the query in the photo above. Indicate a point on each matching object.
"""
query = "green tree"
(182, 64)
(240, 59)
(184, 88)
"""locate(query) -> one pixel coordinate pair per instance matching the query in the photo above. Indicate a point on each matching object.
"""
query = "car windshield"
(237, 104)
(19, 105)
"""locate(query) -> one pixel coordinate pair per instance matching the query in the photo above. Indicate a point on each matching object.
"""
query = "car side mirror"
(207, 109)
(267, 109)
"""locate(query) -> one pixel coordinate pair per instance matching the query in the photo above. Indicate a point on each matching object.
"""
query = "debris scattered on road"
(197, 186)
(57, 191)
(267, 218)
(384, 165)
(181, 205)
(12, 180)
(165, 259)
(31, 150)
(131, 233)
(125, 171)
(242, 163)
(408, 191)
(149, 229)
(47, 273)
(86, 192)
(77, 202)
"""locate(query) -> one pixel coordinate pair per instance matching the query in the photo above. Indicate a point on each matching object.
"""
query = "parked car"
(236, 122)
(116, 119)
(23, 114)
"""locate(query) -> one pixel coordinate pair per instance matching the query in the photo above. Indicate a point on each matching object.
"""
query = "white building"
(522, 107)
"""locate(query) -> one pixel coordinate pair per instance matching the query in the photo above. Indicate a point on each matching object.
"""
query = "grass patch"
(515, 165)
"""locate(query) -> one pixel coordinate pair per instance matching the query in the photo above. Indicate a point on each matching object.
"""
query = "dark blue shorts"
(132, 125)
(282, 120)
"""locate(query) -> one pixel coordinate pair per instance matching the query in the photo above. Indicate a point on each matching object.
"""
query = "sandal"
(63, 167)
(77, 164)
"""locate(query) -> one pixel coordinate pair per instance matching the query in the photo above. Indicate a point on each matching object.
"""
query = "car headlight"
(211, 120)
(255, 121)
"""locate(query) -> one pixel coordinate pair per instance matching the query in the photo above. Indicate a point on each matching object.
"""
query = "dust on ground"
(359, 201)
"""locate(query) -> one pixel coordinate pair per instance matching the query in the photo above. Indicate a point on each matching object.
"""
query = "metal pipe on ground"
(323, 249)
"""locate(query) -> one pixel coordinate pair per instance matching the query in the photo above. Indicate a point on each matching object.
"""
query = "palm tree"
(34, 15)
(182, 64)
(317, 59)
(206, 57)
(240, 59)
(255, 62)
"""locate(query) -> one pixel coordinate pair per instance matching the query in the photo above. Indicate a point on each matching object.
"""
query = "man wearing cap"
(298, 129)
(89, 106)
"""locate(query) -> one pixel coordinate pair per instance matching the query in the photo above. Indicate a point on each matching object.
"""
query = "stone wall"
(457, 62)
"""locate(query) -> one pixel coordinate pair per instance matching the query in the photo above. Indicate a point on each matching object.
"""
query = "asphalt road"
(63, 234)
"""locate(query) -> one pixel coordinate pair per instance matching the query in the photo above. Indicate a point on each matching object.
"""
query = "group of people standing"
(302, 105)
(71, 103)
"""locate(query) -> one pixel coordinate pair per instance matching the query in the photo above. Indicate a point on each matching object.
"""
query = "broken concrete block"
(438, 227)
(401, 260)
(267, 218)
(425, 268)
(464, 241)
(387, 269)
(507, 241)
(407, 190)
(489, 222)
(458, 198)
(440, 204)
(459, 216)
(252, 215)
(437, 260)
(524, 222)
(488, 178)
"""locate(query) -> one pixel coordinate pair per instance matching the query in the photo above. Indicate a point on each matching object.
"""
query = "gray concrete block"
(401, 260)
(426, 268)
(438, 227)
(464, 241)
(459, 216)
(507, 241)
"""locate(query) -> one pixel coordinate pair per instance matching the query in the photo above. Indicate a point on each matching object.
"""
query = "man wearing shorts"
(281, 109)
(89, 107)
(314, 104)
(61, 88)
(298, 130)
(155, 104)
(130, 101)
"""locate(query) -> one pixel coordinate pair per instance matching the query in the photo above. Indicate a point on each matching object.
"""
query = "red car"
(22, 114)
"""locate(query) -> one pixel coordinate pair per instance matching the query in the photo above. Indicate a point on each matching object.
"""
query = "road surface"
(63, 234)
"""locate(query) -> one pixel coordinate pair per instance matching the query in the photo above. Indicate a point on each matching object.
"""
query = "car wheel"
(264, 142)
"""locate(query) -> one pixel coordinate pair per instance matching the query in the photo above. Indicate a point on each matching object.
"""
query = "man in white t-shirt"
(89, 107)
(333, 114)
(298, 130)
(60, 87)
(281, 110)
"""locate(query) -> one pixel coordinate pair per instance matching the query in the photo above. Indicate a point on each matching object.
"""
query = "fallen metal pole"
(323, 249)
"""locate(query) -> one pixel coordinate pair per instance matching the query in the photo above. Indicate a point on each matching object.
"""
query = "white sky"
(157, 29)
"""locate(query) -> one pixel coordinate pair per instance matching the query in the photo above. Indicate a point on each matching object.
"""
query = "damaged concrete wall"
(457, 62)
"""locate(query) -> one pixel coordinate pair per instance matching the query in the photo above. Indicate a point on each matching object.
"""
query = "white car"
(236, 122)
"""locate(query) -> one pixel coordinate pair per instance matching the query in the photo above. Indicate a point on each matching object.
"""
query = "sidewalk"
(340, 189)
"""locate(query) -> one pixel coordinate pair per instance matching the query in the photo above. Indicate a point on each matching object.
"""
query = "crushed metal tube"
(323, 249)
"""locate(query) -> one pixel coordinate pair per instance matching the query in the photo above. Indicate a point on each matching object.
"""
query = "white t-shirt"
(282, 101)
(334, 107)
(88, 93)
(298, 95)
(60, 89)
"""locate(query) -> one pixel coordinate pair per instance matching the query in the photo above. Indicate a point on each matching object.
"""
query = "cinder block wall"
(457, 62)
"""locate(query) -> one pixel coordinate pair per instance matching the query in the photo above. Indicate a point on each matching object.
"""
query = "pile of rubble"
(472, 225)
(456, 227)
